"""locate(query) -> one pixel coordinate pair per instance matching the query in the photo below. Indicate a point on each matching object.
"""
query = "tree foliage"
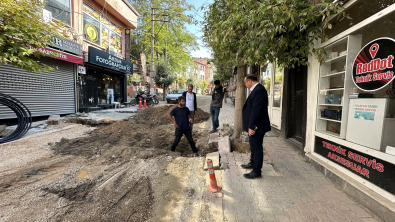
(22, 30)
(171, 38)
(163, 74)
(181, 81)
(204, 86)
(249, 32)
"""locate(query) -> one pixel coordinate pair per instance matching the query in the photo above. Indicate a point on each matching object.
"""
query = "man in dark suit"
(256, 122)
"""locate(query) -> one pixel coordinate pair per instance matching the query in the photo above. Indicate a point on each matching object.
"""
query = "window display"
(100, 30)
(356, 82)
(109, 89)
(91, 29)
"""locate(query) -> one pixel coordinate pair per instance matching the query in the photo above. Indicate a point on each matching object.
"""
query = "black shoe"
(213, 131)
(252, 175)
(195, 155)
(247, 166)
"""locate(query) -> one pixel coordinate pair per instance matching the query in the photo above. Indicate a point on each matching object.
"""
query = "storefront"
(105, 81)
(351, 115)
(46, 93)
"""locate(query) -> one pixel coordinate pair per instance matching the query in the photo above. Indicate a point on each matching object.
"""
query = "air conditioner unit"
(47, 16)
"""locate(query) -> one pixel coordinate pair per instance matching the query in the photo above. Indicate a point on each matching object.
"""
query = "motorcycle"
(143, 95)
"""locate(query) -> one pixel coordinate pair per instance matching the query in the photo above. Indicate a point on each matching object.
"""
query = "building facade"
(92, 60)
(340, 113)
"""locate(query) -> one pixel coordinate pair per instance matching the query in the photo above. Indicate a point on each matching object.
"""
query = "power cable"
(23, 114)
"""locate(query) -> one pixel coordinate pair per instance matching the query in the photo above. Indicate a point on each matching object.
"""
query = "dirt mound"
(154, 116)
(120, 141)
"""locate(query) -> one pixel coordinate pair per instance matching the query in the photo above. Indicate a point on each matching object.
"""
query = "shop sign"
(376, 171)
(66, 45)
(373, 67)
(81, 70)
(104, 59)
(60, 55)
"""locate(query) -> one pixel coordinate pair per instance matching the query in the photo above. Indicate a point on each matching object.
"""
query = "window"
(101, 31)
(278, 80)
(60, 10)
(265, 77)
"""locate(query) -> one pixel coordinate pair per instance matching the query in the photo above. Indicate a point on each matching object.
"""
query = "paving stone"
(213, 141)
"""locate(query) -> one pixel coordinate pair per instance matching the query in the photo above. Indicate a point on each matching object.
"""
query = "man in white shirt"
(191, 103)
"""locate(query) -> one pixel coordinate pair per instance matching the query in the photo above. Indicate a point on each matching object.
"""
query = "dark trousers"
(256, 145)
(214, 116)
(188, 135)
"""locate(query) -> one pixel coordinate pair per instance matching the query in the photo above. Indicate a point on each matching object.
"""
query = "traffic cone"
(140, 106)
(213, 187)
(145, 103)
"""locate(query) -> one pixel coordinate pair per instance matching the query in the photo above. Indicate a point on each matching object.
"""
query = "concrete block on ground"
(224, 146)
(215, 158)
(213, 141)
(54, 120)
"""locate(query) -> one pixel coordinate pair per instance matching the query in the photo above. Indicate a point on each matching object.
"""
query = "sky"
(198, 15)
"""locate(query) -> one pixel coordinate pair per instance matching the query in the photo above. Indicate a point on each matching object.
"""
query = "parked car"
(173, 96)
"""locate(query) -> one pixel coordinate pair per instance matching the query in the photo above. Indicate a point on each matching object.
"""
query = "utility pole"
(152, 46)
(152, 52)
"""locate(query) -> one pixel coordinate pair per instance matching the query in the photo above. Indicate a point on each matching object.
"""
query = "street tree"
(163, 75)
(181, 81)
(250, 32)
(204, 86)
(22, 32)
(172, 39)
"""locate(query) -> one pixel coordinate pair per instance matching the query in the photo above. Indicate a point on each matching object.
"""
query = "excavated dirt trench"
(119, 172)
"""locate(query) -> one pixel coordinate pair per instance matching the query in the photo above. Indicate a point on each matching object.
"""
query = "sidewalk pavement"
(289, 190)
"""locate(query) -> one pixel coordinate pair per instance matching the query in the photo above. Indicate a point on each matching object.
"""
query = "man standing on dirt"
(181, 120)
(256, 123)
(191, 103)
(216, 103)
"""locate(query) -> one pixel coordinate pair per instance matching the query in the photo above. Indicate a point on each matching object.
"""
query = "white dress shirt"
(190, 101)
(253, 87)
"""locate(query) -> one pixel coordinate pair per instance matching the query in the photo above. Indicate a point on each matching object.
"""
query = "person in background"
(191, 103)
(180, 116)
(216, 103)
(256, 123)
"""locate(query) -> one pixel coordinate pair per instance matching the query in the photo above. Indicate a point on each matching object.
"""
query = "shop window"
(91, 29)
(277, 90)
(99, 30)
(60, 10)
(265, 77)
(360, 111)
(109, 89)
(358, 12)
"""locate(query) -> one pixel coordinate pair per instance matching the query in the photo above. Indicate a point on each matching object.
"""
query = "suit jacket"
(184, 94)
(255, 111)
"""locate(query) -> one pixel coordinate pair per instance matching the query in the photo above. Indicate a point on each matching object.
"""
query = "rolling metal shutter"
(46, 93)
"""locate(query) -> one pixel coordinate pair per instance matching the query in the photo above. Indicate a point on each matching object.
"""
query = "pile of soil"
(154, 116)
(123, 140)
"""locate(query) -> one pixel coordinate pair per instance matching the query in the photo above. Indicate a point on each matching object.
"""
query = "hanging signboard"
(66, 45)
(377, 171)
(104, 59)
(373, 67)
